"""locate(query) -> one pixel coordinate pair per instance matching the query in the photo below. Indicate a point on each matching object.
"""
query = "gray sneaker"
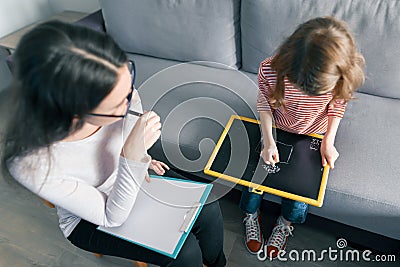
(278, 239)
(253, 236)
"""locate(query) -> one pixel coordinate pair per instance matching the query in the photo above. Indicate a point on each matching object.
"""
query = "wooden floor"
(29, 234)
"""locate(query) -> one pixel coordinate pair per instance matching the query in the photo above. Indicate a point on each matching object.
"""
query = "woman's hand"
(158, 167)
(329, 153)
(143, 135)
(270, 154)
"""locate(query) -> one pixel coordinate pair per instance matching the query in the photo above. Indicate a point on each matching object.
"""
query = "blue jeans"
(293, 211)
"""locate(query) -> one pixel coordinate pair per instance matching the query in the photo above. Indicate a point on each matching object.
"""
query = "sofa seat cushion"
(187, 30)
(368, 141)
(195, 102)
(363, 189)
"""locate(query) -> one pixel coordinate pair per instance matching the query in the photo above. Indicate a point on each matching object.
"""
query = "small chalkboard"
(299, 175)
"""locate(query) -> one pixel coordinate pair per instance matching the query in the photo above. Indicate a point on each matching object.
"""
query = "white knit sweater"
(86, 179)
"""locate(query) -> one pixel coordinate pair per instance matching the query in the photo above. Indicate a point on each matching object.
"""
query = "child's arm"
(269, 152)
(328, 151)
(266, 127)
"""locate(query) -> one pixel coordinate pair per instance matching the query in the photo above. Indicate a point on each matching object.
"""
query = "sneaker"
(253, 236)
(278, 239)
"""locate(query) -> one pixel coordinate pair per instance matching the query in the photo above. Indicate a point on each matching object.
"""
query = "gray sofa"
(225, 41)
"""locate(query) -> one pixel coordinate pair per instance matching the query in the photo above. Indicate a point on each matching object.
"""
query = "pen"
(134, 113)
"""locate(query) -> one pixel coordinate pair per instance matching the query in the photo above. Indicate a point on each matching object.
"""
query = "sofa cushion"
(367, 173)
(194, 103)
(368, 142)
(93, 21)
(187, 30)
(376, 25)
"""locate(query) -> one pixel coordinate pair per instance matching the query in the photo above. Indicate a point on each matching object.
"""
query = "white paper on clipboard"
(163, 214)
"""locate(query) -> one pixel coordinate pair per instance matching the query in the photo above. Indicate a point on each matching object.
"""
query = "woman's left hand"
(329, 154)
(158, 167)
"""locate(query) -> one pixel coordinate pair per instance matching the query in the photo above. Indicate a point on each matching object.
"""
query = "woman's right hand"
(143, 135)
(270, 154)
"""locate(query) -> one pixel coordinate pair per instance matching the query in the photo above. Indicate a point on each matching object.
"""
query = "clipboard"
(299, 175)
(163, 214)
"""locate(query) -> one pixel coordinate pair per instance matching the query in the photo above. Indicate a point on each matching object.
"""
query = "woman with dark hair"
(67, 142)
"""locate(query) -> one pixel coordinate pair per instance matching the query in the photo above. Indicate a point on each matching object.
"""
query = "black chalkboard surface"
(299, 175)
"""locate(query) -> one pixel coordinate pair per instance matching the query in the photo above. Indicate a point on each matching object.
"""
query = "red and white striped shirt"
(304, 114)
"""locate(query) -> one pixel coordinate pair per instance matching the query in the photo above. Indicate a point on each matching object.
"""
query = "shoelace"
(252, 228)
(279, 234)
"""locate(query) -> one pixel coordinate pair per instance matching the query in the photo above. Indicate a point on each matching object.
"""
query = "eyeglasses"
(132, 71)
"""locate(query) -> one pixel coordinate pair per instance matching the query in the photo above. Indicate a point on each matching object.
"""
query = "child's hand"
(270, 154)
(329, 154)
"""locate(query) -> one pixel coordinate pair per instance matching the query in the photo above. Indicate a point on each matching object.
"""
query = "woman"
(67, 142)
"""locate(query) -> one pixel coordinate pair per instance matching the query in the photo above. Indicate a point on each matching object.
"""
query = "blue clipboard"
(148, 227)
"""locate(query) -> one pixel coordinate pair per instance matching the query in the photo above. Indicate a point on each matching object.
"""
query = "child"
(303, 89)
(65, 142)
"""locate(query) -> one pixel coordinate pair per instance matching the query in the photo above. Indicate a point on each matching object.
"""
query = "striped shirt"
(304, 114)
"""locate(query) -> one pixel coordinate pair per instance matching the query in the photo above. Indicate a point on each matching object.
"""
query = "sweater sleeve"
(82, 199)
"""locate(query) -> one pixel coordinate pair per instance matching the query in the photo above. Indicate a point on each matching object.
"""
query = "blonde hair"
(318, 57)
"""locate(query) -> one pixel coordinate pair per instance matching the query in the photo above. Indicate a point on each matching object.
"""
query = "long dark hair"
(320, 55)
(61, 72)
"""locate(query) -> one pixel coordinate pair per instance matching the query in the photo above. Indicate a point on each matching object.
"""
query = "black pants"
(203, 245)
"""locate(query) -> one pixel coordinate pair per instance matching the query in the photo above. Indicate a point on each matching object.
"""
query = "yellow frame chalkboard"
(257, 188)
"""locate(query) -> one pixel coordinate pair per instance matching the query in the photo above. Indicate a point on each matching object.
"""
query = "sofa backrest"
(375, 23)
(189, 30)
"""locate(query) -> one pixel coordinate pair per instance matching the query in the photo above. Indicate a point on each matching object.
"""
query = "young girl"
(303, 89)
(67, 142)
